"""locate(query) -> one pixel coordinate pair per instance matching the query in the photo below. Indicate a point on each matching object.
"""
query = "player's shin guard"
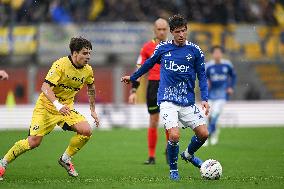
(76, 143)
(173, 150)
(152, 141)
(194, 145)
(19, 148)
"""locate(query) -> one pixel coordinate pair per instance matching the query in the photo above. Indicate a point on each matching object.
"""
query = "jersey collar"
(77, 67)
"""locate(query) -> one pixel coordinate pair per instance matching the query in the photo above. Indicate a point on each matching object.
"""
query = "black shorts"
(152, 91)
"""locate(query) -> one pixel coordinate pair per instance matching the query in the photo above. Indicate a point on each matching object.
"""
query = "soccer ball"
(211, 170)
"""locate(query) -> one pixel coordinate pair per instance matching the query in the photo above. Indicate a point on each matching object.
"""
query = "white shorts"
(189, 116)
(216, 107)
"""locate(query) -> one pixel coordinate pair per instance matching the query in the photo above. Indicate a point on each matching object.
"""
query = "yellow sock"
(19, 148)
(76, 143)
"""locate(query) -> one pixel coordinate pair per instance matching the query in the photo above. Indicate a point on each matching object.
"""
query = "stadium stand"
(273, 78)
(202, 11)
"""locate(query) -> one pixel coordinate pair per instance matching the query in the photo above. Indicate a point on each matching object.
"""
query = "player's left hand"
(230, 91)
(96, 118)
(125, 79)
(205, 106)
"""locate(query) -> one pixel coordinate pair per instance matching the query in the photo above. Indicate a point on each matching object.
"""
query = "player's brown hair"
(78, 43)
(177, 21)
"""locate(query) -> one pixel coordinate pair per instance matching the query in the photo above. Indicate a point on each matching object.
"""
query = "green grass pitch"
(251, 158)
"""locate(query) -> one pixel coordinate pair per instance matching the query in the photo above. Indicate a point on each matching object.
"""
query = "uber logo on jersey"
(219, 77)
(171, 65)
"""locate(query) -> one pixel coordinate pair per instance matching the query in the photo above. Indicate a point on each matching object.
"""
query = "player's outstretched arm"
(92, 95)
(148, 64)
(48, 92)
(3, 75)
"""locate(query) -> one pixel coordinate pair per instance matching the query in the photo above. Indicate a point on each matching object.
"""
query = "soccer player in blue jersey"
(221, 81)
(180, 62)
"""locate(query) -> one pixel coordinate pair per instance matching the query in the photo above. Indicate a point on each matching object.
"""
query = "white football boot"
(68, 165)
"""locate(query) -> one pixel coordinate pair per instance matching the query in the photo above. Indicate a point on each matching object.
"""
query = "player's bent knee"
(174, 137)
(87, 131)
(34, 141)
(203, 135)
(201, 132)
(83, 129)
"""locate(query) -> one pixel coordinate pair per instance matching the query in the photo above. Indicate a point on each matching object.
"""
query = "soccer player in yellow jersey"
(55, 106)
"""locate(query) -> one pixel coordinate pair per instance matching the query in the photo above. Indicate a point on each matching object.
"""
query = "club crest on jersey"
(188, 57)
(225, 69)
(51, 72)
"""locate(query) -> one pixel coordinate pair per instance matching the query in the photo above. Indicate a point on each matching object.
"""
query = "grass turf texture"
(251, 158)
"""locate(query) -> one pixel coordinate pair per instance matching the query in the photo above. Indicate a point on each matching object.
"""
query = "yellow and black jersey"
(66, 79)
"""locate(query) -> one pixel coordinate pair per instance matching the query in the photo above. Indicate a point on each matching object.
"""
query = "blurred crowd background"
(268, 12)
(34, 33)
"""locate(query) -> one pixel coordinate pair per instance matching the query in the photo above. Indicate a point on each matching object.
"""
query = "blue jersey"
(220, 76)
(179, 67)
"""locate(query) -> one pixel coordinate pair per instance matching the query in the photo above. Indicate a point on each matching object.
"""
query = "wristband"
(57, 105)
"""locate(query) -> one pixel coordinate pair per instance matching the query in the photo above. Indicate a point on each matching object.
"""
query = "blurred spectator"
(65, 11)
(252, 93)
(268, 12)
(59, 14)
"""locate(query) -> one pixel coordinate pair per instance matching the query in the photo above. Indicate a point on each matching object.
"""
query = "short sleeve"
(90, 79)
(54, 74)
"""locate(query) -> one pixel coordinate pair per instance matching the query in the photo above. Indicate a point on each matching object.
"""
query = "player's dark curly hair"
(217, 47)
(78, 43)
(177, 21)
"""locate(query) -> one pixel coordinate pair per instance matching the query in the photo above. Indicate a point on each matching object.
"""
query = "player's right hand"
(132, 99)
(65, 110)
(125, 79)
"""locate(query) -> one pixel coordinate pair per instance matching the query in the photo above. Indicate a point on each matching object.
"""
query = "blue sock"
(212, 124)
(173, 149)
(194, 145)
